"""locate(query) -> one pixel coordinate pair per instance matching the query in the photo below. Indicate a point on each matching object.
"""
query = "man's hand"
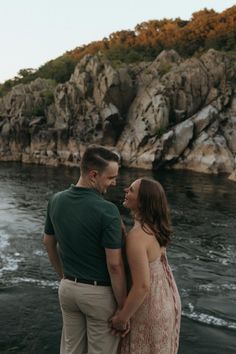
(119, 327)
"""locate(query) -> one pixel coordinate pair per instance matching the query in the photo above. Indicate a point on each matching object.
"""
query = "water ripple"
(39, 282)
(8, 261)
(215, 287)
(208, 319)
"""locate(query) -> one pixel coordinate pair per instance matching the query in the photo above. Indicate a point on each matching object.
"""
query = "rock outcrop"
(171, 113)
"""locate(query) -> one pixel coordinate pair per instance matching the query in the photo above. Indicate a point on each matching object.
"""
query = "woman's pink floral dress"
(155, 326)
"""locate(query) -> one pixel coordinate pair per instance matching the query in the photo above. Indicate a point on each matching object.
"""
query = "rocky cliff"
(171, 113)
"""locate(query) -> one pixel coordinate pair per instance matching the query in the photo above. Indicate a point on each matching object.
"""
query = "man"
(87, 229)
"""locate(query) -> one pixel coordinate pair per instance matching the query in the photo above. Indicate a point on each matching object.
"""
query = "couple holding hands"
(85, 240)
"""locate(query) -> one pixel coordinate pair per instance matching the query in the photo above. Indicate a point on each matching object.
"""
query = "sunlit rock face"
(170, 113)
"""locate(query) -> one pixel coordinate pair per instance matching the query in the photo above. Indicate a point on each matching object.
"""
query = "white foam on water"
(39, 253)
(219, 224)
(216, 287)
(7, 261)
(4, 240)
(208, 319)
(184, 292)
(224, 259)
(38, 282)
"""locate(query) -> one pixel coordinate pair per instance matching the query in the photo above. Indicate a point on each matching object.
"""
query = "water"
(202, 256)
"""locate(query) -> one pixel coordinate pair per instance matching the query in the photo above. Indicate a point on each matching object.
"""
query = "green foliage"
(36, 111)
(164, 68)
(59, 69)
(39, 108)
(223, 41)
(6, 87)
(159, 132)
(123, 55)
(48, 97)
(26, 75)
(119, 55)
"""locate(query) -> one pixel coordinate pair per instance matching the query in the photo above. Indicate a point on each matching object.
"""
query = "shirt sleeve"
(48, 228)
(112, 235)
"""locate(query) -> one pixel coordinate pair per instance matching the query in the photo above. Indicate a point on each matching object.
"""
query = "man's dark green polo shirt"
(84, 224)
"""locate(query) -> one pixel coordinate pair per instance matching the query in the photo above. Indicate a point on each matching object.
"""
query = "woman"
(153, 303)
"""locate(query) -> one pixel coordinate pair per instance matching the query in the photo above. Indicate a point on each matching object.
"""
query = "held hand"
(126, 331)
(118, 325)
(121, 334)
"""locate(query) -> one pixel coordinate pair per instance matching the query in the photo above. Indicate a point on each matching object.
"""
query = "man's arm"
(115, 267)
(50, 244)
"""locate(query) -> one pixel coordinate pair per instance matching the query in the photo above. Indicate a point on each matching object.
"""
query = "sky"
(33, 32)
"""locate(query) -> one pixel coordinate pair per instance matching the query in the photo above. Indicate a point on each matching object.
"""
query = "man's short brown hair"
(97, 157)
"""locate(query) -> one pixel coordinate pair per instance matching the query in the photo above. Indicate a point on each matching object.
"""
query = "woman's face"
(131, 196)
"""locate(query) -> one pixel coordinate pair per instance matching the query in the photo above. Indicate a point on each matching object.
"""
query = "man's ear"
(92, 175)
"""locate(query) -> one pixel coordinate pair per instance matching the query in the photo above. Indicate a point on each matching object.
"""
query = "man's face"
(107, 178)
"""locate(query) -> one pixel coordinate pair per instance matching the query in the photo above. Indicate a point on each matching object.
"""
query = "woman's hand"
(118, 323)
(119, 326)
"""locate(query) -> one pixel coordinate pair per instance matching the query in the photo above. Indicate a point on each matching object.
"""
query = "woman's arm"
(139, 267)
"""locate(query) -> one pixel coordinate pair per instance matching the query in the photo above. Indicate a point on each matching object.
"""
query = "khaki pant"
(85, 311)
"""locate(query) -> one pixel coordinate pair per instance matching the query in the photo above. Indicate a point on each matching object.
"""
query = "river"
(202, 256)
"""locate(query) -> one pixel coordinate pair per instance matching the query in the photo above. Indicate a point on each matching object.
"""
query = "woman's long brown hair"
(154, 211)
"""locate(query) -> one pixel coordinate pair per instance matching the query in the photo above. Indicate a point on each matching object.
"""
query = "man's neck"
(84, 183)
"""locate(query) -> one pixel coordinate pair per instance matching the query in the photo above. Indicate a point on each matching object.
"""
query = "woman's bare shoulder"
(136, 233)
